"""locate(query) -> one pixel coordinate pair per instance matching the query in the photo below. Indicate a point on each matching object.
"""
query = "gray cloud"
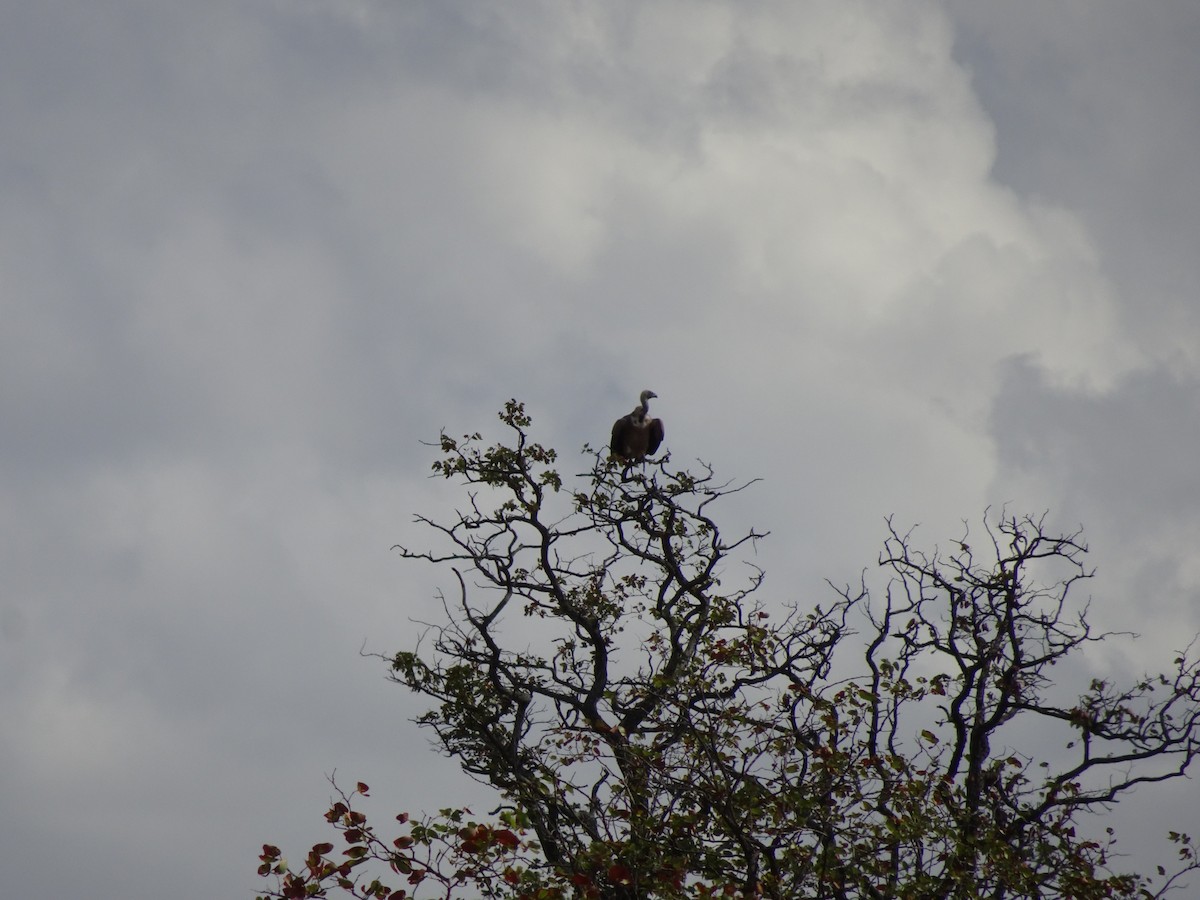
(253, 255)
(1121, 463)
(1096, 107)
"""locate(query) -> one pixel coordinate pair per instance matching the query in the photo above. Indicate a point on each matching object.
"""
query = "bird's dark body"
(636, 435)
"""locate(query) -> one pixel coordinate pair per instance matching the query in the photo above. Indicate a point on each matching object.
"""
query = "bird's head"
(648, 395)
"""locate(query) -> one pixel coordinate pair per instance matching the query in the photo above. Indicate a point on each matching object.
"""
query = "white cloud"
(238, 295)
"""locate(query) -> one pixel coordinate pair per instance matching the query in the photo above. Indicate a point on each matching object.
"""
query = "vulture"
(636, 435)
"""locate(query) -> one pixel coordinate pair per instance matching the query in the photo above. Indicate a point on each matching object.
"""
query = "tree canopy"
(655, 727)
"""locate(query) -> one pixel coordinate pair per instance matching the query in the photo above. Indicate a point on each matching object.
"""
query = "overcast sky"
(911, 258)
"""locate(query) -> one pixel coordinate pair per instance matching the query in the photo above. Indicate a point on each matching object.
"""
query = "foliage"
(654, 729)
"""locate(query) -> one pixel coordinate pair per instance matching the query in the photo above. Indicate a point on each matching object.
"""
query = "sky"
(911, 259)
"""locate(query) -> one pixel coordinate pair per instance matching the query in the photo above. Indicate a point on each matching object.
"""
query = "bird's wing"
(617, 443)
(655, 436)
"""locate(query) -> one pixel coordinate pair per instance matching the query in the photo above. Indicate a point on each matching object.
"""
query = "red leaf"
(362, 788)
(506, 838)
(336, 811)
(619, 874)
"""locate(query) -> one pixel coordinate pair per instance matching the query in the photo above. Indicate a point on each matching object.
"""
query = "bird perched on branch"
(636, 435)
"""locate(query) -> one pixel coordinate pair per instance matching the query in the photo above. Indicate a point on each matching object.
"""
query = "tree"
(654, 728)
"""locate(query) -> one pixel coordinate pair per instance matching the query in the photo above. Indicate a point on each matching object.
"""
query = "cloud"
(1119, 462)
(1098, 112)
(252, 256)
